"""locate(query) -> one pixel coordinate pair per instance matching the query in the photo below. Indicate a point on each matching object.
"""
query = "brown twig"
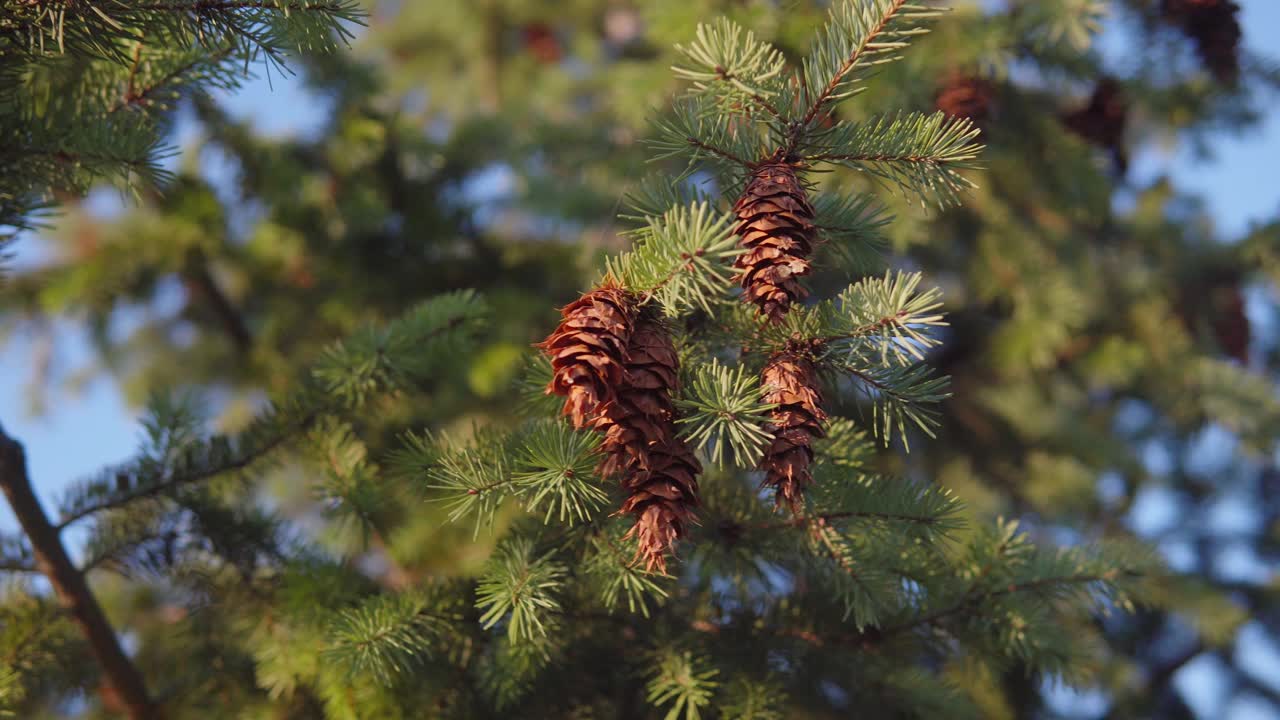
(69, 585)
(201, 284)
(722, 153)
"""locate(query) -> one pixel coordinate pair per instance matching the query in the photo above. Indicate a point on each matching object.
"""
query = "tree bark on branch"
(69, 584)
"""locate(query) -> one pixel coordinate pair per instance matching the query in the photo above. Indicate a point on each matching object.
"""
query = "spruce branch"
(402, 355)
(900, 396)
(692, 128)
(270, 27)
(737, 68)
(193, 67)
(512, 668)
(886, 317)
(859, 36)
(555, 468)
(845, 448)
(723, 411)
(920, 153)
(655, 195)
(748, 699)
(863, 587)
(531, 387)
(616, 574)
(1001, 563)
(386, 636)
(829, 517)
(193, 463)
(682, 680)
(63, 127)
(473, 480)
(36, 638)
(860, 503)
(519, 589)
(682, 259)
(348, 490)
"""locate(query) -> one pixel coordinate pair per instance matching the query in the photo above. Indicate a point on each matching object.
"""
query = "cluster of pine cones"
(617, 368)
(776, 231)
(614, 363)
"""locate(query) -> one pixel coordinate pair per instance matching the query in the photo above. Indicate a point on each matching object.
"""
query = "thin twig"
(805, 520)
(824, 96)
(722, 153)
(159, 488)
(755, 97)
(134, 96)
(69, 585)
(970, 600)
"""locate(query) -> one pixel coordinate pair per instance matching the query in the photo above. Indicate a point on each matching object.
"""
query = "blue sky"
(92, 426)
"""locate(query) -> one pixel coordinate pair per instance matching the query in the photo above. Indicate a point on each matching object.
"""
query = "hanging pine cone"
(1216, 304)
(966, 96)
(790, 380)
(1102, 121)
(662, 499)
(1214, 27)
(775, 224)
(658, 471)
(1230, 323)
(588, 351)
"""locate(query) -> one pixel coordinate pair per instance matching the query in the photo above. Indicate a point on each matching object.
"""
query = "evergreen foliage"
(85, 88)
(430, 551)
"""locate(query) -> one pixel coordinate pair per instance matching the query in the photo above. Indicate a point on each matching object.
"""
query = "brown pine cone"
(1102, 122)
(775, 224)
(791, 381)
(1231, 324)
(965, 96)
(588, 351)
(662, 499)
(1214, 27)
(658, 471)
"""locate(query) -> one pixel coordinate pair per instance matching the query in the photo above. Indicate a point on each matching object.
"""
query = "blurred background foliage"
(1112, 352)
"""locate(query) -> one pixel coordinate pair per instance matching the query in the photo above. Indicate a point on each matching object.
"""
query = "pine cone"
(1230, 323)
(1214, 27)
(540, 40)
(966, 97)
(775, 222)
(1215, 304)
(1102, 121)
(662, 499)
(791, 381)
(658, 471)
(588, 351)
